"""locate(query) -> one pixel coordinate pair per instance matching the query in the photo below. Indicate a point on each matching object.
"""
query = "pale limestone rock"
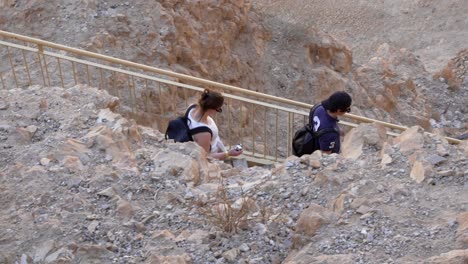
(231, 254)
(228, 173)
(73, 147)
(338, 203)
(206, 188)
(163, 234)
(134, 133)
(72, 163)
(197, 236)
(108, 192)
(442, 150)
(360, 201)
(213, 172)
(327, 176)
(463, 148)
(4, 105)
(25, 259)
(363, 209)
(155, 258)
(418, 172)
(124, 209)
(170, 163)
(93, 226)
(446, 173)
(245, 202)
(307, 256)
(364, 134)
(107, 116)
(411, 140)
(57, 255)
(462, 231)
(385, 153)
(149, 133)
(45, 162)
(115, 144)
(311, 219)
(42, 250)
(352, 144)
(451, 257)
(92, 253)
(312, 160)
(182, 236)
(36, 171)
(26, 134)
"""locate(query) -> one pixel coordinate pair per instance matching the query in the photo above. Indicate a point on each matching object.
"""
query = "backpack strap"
(199, 129)
(312, 111)
(322, 131)
(189, 109)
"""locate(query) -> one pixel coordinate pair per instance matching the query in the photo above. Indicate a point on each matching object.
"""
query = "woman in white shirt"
(209, 104)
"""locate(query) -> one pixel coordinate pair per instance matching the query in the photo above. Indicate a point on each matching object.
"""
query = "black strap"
(320, 132)
(196, 130)
(189, 109)
(200, 129)
(312, 111)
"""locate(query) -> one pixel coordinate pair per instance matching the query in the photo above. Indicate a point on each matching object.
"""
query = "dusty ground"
(266, 47)
(83, 185)
(432, 30)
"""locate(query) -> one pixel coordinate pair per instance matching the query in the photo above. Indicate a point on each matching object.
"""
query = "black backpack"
(178, 129)
(304, 139)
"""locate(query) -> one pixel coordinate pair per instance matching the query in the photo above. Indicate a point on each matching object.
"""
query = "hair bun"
(206, 92)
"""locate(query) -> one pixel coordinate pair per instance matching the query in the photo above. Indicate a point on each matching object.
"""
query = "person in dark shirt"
(326, 116)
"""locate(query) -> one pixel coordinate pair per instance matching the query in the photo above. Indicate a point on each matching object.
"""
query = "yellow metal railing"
(265, 124)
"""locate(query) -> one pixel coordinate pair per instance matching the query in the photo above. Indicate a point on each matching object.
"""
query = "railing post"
(276, 135)
(59, 65)
(40, 49)
(12, 66)
(3, 83)
(26, 67)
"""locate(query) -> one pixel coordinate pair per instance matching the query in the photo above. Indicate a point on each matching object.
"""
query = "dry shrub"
(222, 210)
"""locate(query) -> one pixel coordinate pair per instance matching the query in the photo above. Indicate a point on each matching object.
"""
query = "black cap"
(337, 101)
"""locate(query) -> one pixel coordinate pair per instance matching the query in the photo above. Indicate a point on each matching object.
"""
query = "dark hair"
(337, 101)
(210, 100)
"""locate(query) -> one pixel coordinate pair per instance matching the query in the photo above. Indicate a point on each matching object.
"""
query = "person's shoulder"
(320, 112)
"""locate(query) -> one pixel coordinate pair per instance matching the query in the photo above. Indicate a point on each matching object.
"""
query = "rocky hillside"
(81, 184)
(256, 45)
(433, 32)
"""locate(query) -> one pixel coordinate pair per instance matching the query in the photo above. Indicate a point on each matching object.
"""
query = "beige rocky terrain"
(79, 183)
(432, 30)
(257, 46)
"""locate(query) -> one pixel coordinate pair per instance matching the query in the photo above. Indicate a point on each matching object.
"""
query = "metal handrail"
(244, 92)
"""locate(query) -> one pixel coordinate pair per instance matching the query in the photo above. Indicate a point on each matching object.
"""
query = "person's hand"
(234, 152)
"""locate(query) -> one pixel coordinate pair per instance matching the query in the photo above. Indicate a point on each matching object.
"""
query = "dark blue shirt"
(328, 141)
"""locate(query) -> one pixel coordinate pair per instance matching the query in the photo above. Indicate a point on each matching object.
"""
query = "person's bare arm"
(204, 140)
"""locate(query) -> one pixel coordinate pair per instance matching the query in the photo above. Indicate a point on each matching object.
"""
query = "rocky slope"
(257, 46)
(81, 184)
(433, 32)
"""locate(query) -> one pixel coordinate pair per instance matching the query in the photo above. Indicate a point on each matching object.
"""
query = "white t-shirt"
(216, 143)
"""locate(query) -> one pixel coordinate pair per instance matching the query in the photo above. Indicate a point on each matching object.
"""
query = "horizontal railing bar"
(260, 158)
(144, 76)
(179, 76)
(183, 76)
(149, 68)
